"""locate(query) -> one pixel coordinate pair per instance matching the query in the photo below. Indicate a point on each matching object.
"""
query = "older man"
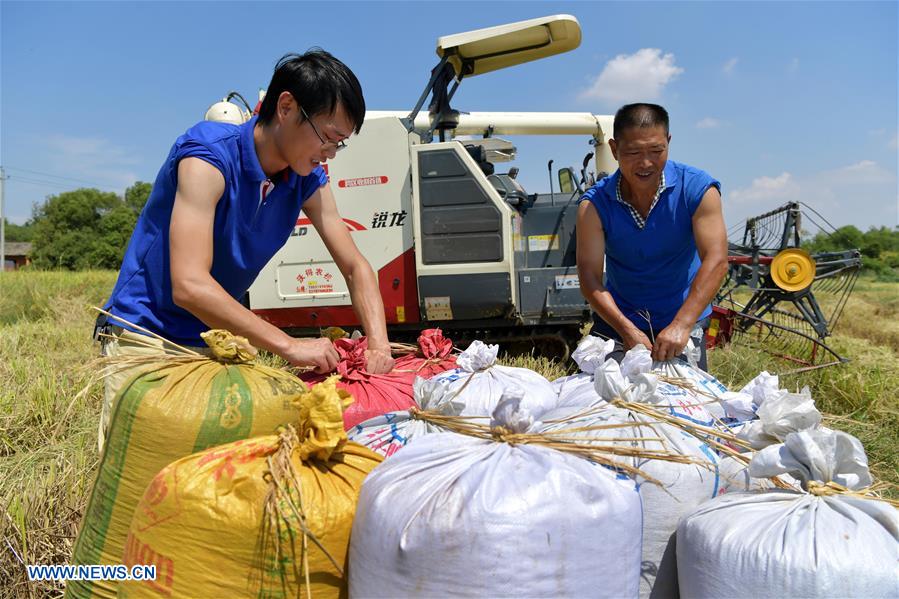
(656, 230)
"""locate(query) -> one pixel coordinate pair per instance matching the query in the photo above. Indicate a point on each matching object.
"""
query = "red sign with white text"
(362, 181)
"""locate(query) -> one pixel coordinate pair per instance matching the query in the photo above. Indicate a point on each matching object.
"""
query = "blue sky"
(780, 101)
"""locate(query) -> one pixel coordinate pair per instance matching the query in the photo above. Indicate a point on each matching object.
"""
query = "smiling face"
(641, 153)
(304, 144)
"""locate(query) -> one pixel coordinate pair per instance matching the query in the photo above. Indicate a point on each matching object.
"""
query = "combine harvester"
(454, 242)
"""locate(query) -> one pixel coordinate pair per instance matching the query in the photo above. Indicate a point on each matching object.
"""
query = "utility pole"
(2, 221)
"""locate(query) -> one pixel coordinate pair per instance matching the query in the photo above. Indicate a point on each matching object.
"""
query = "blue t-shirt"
(253, 219)
(649, 271)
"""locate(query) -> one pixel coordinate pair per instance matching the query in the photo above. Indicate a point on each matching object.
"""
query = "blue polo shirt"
(649, 270)
(253, 219)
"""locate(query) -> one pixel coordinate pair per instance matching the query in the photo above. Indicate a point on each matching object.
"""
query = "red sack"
(432, 358)
(373, 394)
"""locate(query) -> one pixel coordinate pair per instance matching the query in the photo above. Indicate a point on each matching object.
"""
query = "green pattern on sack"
(229, 411)
(92, 538)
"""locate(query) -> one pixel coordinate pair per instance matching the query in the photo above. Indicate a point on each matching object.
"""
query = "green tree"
(14, 232)
(136, 196)
(80, 229)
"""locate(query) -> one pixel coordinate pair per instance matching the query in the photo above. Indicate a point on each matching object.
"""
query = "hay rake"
(794, 298)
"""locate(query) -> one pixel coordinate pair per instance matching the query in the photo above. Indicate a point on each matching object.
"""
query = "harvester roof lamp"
(493, 48)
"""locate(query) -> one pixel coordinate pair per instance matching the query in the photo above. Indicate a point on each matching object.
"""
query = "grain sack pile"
(494, 513)
(176, 406)
(266, 517)
(780, 414)
(470, 390)
(683, 486)
(832, 538)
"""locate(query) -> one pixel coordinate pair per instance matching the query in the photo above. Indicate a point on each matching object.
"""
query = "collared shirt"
(641, 222)
(253, 219)
(650, 263)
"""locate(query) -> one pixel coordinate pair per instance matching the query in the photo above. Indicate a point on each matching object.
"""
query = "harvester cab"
(455, 243)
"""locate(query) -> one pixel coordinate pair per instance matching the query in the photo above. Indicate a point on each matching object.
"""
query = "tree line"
(82, 229)
(89, 229)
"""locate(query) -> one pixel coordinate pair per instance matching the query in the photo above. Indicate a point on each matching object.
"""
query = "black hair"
(318, 82)
(639, 115)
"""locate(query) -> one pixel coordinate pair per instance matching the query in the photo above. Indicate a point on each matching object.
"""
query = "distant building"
(16, 255)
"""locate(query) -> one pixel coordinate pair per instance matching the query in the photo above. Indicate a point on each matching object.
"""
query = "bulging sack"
(479, 382)
(683, 486)
(388, 433)
(831, 539)
(577, 389)
(266, 517)
(434, 355)
(455, 515)
(176, 406)
(374, 394)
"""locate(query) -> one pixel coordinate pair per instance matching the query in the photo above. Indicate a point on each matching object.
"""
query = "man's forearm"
(604, 305)
(705, 286)
(209, 302)
(368, 305)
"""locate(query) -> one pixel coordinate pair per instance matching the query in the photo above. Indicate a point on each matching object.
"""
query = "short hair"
(639, 115)
(318, 82)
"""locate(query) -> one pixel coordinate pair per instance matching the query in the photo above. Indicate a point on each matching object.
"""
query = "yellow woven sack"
(176, 406)
(265, 517)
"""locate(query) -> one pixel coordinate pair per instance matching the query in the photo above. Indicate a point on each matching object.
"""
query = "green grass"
(48, 454)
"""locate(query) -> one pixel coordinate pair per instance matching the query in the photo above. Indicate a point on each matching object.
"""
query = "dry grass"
(48, 453)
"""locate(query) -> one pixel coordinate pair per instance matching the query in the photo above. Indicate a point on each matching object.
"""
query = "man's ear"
(613, 145)
(285, 105)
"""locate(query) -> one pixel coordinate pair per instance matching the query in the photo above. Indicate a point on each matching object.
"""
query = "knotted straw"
(831, 489)
(563, 440)
(283, 485)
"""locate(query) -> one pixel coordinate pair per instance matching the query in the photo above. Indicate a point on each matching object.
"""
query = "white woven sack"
(388, 433)
(780, 414)
(684, 487)
(479, 382)
(794, 544)
(456, 516)
(577, 389)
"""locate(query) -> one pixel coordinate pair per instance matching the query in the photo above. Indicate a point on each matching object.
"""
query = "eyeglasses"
(338, 145)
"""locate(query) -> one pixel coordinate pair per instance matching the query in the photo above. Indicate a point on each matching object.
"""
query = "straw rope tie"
(832, 489)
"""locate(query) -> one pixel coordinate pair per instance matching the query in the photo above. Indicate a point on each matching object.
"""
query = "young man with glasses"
(225, 200)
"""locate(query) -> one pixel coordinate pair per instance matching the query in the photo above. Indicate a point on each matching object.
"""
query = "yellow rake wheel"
(793, 269)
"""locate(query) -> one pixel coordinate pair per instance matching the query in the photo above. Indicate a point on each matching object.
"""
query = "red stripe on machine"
(350, 224)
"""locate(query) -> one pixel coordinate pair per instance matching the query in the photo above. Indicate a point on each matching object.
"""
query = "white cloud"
(93, 159)
(765, 189)
(728, 67)
(640, 76)
(708, 123)
(860, 193)
(864, 171)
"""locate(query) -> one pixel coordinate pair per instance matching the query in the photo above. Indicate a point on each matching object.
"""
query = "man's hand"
(671, 342)
(319, 353)
(635, 338)
(378, 361)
